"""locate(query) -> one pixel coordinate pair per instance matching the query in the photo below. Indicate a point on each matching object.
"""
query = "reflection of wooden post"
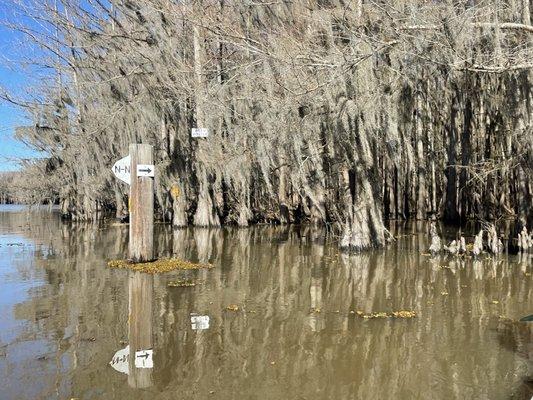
(140, 326)
(141, 205)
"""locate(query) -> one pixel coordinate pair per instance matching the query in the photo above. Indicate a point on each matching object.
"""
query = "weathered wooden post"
(141, 249)
(138, 171)
(141, 203)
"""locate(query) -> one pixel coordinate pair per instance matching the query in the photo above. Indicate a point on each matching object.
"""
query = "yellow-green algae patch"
(158, 266)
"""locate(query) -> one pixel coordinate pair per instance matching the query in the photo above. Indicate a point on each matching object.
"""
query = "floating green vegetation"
(394, 314)
(158, 266)
(183, 283)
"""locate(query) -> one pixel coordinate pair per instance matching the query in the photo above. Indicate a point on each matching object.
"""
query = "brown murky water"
(296, 333)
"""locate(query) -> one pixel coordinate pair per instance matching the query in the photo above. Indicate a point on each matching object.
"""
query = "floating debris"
(232, 307)
(158, 266)
(495, 302)
(394, 314)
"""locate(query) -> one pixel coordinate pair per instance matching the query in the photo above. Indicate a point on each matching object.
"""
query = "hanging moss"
(341, 115)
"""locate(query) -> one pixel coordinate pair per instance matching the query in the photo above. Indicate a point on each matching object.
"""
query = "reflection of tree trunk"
(140, 326)
(179, 242)
(204, 242)
(316, 259)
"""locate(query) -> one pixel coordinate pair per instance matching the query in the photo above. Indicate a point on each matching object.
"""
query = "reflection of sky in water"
(17, 277)
(20, 280)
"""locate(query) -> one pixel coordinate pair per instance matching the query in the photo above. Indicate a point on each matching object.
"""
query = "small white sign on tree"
(199, 132)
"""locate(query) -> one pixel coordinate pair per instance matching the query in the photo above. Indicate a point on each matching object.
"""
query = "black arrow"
(147, 170)
(145, 355)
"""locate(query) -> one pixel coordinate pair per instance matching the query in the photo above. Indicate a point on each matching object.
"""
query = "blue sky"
(15, 78)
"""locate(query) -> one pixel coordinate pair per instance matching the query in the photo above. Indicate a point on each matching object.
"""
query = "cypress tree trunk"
(450, 206)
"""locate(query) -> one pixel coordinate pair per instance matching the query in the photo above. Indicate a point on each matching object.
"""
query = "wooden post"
(140, 333)
(141, 206)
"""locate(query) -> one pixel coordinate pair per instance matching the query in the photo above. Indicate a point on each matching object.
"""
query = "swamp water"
(276, 318)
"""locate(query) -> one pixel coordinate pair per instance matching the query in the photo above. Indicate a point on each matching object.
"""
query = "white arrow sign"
(122, 169)
(145, 170)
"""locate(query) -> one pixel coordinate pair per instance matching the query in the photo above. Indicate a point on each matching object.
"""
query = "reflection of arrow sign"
(145, 170)
(122, 169)
(143, 359)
